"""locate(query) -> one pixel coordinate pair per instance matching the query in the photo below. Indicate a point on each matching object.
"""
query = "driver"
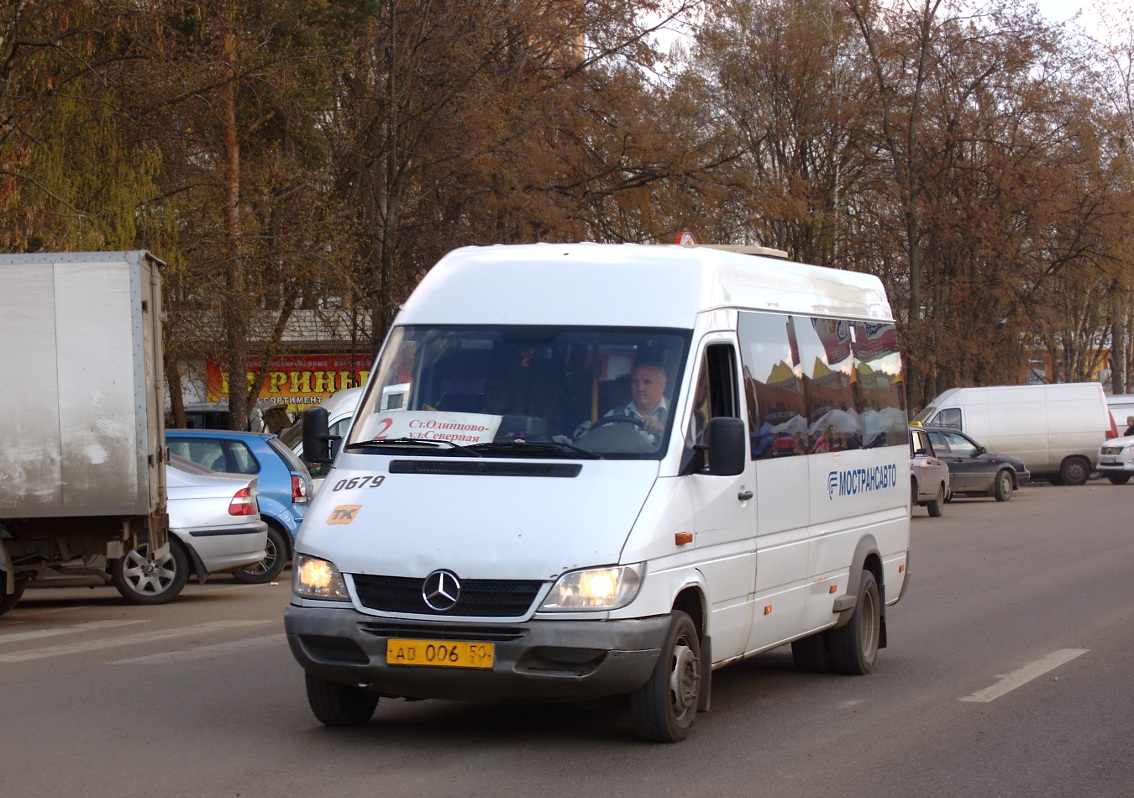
(647, 398)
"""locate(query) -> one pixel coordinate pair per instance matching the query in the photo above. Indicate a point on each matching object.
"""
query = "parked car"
(1116, 459)
(214, 526)
(340, 409)
(285, 485)
(975, 471)
(929, 476)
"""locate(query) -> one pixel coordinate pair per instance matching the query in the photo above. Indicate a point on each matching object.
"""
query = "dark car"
(285, 485)
(975, 471)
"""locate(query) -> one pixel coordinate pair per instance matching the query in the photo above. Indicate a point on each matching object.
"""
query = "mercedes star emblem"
(441, 590)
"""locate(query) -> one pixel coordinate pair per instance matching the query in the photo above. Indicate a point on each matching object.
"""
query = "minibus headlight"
(316, 578)
(595, 589)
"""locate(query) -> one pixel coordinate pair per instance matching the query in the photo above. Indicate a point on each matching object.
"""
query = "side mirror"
(316, 437)
(728, 447)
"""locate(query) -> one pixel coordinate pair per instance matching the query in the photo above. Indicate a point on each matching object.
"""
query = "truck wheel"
(335, 704)
(854, 647)
(665, 707)
(810, 654)
(275, 558)
(142, 581)
(1119, 479)
(937, 506)
(1074, 471)
(1002, 489)
(9, 600)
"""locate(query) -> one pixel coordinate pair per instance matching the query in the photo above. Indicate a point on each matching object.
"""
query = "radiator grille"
(482, 598)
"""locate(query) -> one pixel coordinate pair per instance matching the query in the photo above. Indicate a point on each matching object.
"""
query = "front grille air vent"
(482, 598)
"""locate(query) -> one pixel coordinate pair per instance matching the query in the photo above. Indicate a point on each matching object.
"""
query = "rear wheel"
(1002, 488)
(275, 558)
(854, 647)
(1075, 471)
(1119, 479)
(937, 506)
(335, 704)
(665, 707)
(141, 580)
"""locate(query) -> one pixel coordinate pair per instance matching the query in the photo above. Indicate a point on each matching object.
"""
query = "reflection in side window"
(821, 385)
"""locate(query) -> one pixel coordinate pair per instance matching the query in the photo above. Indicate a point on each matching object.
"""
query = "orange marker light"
(681, 538)
(768, 609)
(901, 568)
(833, 588)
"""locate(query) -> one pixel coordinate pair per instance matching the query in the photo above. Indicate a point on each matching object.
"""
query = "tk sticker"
(344, 514)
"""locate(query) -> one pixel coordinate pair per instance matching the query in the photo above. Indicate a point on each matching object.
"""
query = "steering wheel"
(602, 422)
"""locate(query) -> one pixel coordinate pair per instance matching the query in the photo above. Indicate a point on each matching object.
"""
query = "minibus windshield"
(564, 392)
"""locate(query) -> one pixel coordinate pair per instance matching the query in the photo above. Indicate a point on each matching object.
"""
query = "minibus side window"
(777, 406)
(949, 417)
(878, 393)
(833, 422)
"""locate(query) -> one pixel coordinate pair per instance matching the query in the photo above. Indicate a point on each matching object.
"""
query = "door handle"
(744, 495)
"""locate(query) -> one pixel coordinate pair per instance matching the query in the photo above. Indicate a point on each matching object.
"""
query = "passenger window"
(242, 458)
(777, 409)
(877, 382)
(206, 452)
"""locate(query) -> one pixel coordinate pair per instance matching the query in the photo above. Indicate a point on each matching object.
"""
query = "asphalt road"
(1008, 674)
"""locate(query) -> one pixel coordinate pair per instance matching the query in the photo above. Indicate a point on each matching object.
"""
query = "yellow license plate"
(440, 653)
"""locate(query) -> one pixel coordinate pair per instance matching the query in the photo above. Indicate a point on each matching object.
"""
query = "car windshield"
(476, 392)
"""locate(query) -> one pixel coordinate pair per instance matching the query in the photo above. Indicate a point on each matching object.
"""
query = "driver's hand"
(652, 425)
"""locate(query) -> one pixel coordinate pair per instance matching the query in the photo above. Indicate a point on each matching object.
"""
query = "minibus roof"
(591, 284)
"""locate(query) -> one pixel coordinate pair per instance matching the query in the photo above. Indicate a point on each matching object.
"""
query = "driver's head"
(647, 385)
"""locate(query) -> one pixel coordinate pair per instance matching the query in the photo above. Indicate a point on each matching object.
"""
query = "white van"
(614, 468)
(1055, 429)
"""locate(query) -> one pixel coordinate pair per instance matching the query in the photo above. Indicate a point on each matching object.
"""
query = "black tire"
(854, 647)
(937, 506)
(9, 600)
(664, 708)
(141, 581)
(275, 558)
(1075, 471)
(335, 704)
(810, 654)
(1118, 479)
(1002, 486)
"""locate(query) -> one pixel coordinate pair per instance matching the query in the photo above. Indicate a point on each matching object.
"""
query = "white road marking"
(18, 637)
(1018, 678)
(88, 646)
(204, 652)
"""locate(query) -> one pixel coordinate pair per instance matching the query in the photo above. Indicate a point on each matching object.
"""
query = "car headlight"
(595, 589)
(316, 578)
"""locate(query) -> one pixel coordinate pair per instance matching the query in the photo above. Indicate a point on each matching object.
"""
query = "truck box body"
(82, 445)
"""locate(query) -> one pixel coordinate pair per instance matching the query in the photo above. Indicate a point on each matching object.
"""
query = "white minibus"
(611, 470)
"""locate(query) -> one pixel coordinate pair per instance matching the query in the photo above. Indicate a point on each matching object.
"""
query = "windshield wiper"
(411, 443)
(521, 447)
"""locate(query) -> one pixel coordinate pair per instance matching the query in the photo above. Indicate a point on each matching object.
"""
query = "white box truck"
(1055, 429)
(82, 447)
(610, 470)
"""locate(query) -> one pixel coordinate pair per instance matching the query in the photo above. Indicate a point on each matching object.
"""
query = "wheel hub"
(685, 679)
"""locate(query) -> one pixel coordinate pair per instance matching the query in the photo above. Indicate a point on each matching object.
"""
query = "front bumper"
(539, 660)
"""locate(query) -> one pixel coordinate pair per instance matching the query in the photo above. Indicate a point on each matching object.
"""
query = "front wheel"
(141, 580)
(854, 647)
(665, 707)
(1118, 479)
(1002, 489)
(275, 558)
(335, 704)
